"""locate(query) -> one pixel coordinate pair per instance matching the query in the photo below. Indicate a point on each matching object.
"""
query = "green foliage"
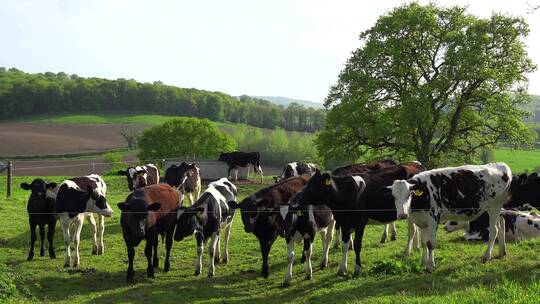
(115, 160)
(25, 94)
(433, 84)
(395, 267)
(184, 137)
(7, 287)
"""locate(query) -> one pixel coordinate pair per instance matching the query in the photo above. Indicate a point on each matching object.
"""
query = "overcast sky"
(280, 47)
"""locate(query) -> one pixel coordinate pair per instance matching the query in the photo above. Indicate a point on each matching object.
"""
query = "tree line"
(26, 94)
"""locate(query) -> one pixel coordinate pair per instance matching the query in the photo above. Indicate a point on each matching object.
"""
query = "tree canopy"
(184, 137)
(432, 83)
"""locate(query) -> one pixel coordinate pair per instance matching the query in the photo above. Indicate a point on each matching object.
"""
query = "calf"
(206, 218)
(302, 224)
(519, 225)
(295, 169)
(260, 213)
(458, 193)
(186, 178)
(141, 176)
(41, 213)
(147, 213)
(76, 197)
(242, 159)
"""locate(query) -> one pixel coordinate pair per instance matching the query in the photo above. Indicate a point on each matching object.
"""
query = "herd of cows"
(488, 201)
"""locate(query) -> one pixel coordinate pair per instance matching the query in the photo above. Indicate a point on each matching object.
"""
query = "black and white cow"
(295, 169)
(455, 193)
(77, 197)
(524, 189)
(242, 159)
(187, 179)
(141, 176)
(302, 223)
(41, 213)
(205, 219)
(519, 225)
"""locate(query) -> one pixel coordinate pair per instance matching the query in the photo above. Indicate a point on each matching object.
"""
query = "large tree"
(432, 83)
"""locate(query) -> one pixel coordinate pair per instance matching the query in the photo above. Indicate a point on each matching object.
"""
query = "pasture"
(388, 278)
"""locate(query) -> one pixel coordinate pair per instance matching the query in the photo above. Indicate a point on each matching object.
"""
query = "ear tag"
(418, 192)
(328, 182)
(299, 213)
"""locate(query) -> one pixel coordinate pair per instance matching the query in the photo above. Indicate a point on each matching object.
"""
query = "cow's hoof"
(42, 252)
(30, 256)
(323, 265)
(101, 250)
(265, 275)
(94, 250)
(76, 266)
(383, 240)
(211, 275)
(167, 267)
(286, 284)
(66, 265)
(342, 273)
(308, 276)
(197, 273)
(52, 254)
(393, 238)
(484, 259)
(225, 260)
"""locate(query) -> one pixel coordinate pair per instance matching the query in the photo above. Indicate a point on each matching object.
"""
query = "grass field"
(518, 160)
(459, 276)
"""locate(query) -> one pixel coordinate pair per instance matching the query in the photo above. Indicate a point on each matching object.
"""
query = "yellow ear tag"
(418, 192)
(299, 213)
(328, 182)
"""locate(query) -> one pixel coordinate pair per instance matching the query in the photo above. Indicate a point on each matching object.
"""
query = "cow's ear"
(385, 189)
(533, 175)
(123, 206)
(50, 185)
(26, 186)
(141, 171)
(154, 207)
(122, 172)
(523, 179)
(233, 204)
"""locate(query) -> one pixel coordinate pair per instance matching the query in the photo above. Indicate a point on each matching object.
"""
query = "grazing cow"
(206, 218)
(41, 213)
(519, 225)
(458, 193)
(186, 178)
(302, 224)
(77, 197)
(147, 213)
(141, 176)
(356, 201)
(295, 169)
(261, 216)
(242, 159)
(363, 168)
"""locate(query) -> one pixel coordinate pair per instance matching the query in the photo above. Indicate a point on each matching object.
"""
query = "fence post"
(9, 178)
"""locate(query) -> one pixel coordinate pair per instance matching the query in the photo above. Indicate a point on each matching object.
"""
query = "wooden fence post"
(9, 178)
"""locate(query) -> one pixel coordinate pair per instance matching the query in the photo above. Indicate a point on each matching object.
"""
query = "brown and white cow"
(141, 176)
(146, 213)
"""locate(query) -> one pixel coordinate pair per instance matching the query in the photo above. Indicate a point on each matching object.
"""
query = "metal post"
(9, 178)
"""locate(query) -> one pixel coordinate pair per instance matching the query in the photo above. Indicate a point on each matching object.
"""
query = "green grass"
(459, 276)
(518, 160)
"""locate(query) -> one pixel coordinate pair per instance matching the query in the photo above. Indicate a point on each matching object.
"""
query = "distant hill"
(285, 101)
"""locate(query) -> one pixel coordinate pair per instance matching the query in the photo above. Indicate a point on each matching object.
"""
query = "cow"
(524, 189)
(356, 201)
(140, 176)
(186, 178)
(295, 169)
(302, 224)
(519, 225)
(261, 216)
(77, 197)
(454, 193)
(206, 218)
(363, 168)
(41, 213)
(242, 159)
(146, 213)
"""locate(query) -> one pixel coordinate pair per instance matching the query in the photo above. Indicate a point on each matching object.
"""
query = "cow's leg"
(326, 237)
(385, 233)
(214, 241)
(410, 238)
(50, 237)
(131, 256)
(346, 239)
(337, 239)
(92, 222)
(150, 237)
(76, 239)
(216, 252)
(493, 229)
(42, 240)
(290, 260)
(236, 174)
(67, 241)
(200, 249)
(226, 236)
(416, 239)
(168, 246)
(502, 236)
(308, 249)
(101, 230)
(428, 238)
(265, 250)
(260, 173)
(32, 240)
(393, 231)
(358, 235)
(155, 258)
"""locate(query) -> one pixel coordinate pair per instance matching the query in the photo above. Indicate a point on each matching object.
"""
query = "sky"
(292, 48)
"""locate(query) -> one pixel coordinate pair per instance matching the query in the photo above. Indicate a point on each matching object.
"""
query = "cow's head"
(524, 189)
(97, 203)
(136, 177)
(403, 192)
(187, 221)
(450, 226)
(222, 157)
(135, 216)
(40, 189)
(176, 176)
(320, 189)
